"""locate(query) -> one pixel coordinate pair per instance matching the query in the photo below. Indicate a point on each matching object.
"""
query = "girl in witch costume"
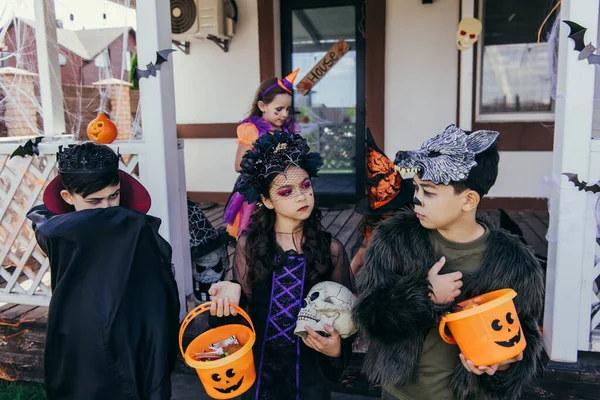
(114, 314)
(281, 256)
(419, 264)
(269, 113)
(386, 194)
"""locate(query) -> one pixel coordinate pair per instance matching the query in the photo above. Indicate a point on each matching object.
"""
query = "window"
(102, 60)
(514, 80)
(62, 60)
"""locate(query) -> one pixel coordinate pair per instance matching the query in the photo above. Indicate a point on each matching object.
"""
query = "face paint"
(417, 202)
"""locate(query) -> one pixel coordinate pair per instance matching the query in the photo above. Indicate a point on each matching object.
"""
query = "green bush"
(21, 391)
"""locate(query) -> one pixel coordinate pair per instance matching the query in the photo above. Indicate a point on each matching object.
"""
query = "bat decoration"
(30, 148)
(161, 57)
(577, 33)
(582, 185)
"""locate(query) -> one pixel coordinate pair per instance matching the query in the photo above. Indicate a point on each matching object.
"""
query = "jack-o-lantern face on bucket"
(102, 130)
(228, 380)
(507, 329)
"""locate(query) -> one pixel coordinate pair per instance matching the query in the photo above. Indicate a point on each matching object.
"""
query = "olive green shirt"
(438, 359)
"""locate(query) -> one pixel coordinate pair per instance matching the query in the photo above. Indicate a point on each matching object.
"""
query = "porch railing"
(24, 268)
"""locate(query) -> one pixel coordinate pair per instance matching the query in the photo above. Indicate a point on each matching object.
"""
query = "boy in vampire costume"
(114, 313)
(419, 264)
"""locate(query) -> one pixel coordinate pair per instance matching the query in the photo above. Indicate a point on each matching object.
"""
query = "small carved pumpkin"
(507, 329)
(102, 130)
(227, 382)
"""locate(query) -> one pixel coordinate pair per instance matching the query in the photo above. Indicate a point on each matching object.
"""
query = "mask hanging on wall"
(468, 33)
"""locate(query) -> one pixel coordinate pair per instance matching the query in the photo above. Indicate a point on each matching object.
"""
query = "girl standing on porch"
(269, 113)
(281, 256)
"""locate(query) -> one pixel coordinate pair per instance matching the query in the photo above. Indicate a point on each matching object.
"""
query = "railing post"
(157, 97)
(569, 254)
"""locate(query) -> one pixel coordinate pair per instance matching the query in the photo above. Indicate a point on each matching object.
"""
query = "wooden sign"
(327, 62)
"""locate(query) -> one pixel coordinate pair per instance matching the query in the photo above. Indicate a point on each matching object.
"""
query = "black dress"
(285, 367)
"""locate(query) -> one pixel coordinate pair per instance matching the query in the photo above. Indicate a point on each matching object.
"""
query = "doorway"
(332, 113)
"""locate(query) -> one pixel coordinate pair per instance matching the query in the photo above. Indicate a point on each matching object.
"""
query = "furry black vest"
(395, 311)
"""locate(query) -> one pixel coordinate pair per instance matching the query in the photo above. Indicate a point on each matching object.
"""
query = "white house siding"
(421, 70)
(212, 86)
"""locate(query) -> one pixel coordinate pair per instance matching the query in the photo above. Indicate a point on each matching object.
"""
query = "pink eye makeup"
(284, 192)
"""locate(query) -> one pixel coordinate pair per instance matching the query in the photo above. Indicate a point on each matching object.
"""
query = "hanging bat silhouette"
(161, 57)
(28, 149)
(582, 185)
(577, 33)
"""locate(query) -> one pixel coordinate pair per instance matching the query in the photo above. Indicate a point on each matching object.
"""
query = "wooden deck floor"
(22, 327)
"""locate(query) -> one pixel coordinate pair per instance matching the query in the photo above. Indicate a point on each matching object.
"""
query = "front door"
(332, 113)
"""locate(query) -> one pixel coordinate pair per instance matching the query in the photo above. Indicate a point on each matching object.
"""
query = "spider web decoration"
(20, 92)
(201, 230)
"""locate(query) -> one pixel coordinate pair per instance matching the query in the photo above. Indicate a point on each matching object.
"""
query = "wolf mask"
(448, 156)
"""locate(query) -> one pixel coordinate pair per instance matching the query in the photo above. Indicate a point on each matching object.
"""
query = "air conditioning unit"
(198, 19)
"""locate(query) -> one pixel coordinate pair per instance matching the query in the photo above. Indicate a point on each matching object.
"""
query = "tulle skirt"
(237, 214)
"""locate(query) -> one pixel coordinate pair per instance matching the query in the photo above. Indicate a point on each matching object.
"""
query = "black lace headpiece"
(72, 161)
(272, 155)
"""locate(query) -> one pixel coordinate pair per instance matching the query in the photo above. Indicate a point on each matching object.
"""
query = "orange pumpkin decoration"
(228, 377)
(102, 130)
(487, 329)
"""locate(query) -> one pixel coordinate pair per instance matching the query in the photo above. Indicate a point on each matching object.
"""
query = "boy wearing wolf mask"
(420, 263)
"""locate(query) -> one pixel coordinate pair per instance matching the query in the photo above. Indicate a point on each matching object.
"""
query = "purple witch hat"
(286, 84)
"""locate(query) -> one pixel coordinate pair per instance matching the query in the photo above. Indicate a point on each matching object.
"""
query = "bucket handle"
(201, 309)
(442, 330)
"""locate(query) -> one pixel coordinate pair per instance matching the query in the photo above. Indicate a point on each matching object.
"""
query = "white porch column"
(571, 255)
(465, 118)
(157, 99)
(49, 69)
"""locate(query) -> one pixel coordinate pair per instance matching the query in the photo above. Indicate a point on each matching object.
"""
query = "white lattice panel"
(24, 268)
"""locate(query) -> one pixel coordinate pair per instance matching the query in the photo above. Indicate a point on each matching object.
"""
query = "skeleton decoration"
(327, 303)
(447, 157)
(209, 252)
(468, 33)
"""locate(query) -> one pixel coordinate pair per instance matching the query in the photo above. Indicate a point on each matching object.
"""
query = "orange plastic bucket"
(227, 377)
(489, 331)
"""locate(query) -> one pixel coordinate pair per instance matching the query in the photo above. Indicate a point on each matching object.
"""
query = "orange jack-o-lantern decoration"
(228, 377)
(487, 329)
(507, 327)
(228, 382)
(102, 130)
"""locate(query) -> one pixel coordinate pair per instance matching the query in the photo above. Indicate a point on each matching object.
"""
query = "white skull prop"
(327, 303)
(468, 33)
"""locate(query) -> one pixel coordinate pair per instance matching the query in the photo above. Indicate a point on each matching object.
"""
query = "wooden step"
(22, 341)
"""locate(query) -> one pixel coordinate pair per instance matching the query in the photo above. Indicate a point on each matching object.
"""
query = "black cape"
(114, 313)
